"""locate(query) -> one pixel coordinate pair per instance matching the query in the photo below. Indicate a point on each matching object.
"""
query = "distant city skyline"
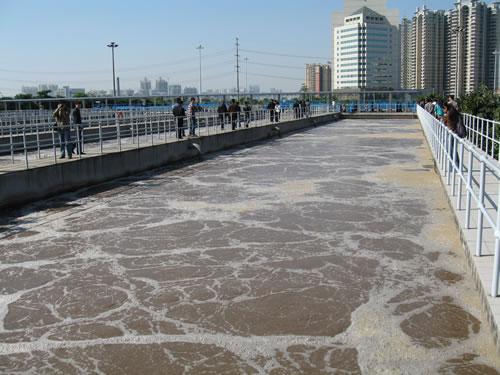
(64, 43)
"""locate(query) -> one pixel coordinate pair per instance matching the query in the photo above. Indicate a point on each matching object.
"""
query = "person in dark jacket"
(451, 119)
(270, 107)
(296, 109)
(179, 114)
(76, 117)
(222, 111)
(234, 111)
(247, 109)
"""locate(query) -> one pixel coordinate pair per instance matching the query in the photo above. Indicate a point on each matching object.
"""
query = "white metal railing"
(101, 132)
(484, 134)
(482, 186)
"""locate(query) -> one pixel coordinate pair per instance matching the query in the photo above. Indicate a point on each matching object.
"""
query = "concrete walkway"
(480, 257)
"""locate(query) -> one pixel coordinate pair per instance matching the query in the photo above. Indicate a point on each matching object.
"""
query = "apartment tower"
(318, 78)
(423, 51)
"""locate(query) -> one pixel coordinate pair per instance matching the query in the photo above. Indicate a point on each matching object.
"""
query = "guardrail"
(449, 153)
(127, 129)
(484, 134)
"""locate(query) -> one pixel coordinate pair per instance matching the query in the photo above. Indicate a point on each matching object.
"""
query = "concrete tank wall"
(20, 187)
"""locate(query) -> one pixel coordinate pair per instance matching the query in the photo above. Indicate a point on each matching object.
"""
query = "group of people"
(64, 116)
(301, 108)
(233, 114)
(274, 109)
(448, 113)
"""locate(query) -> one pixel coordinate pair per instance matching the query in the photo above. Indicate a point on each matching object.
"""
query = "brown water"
(332, 251)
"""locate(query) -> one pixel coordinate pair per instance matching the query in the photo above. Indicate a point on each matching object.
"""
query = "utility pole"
(113, 45)
(458, 31)
(199, 48)
(238, 67)
(495, 75)
(246, 75)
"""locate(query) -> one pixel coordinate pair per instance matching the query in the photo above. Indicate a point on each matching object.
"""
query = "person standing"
(453, 120)
(234, 113)
(179, 114)
(277, 112)
(222, 111)
(247, 109)
(296, 109)
(270, 108)
(191, 114)
(438, 111)
(308, 108)
(429, 106)
(452, 101)
(76, 116)
(61, 115)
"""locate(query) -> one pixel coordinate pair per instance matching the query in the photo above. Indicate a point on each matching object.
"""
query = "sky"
(64, 41)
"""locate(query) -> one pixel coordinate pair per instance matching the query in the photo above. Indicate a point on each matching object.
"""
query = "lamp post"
(457, 31)
(113, 45)
(199, 48)
(495, 73)
(246, 75)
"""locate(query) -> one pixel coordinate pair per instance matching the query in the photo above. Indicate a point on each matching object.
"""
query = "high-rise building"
(366, 52)
(190, 91)
(351, 6)
(318, 78)
(254, 89)
(407, 53)
(30, 90)
(48, 87)
(174, 90)
(423, 51)
(145, 87)
(161, 85)
(472, 36)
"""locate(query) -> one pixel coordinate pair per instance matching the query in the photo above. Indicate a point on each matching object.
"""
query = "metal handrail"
(484, 134)
(449, 151)
(134, 128)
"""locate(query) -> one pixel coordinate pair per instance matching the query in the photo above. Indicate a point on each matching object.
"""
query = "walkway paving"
(329, 251)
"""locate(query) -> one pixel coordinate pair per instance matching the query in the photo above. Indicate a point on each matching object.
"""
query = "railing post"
(54, 146)
(469, 190)
(151, 126)
(25, 148)
(496, 260)
(480, 206)
(454, 158)
(11, 142)
(461, 176)
(118, 133)
(100, 134)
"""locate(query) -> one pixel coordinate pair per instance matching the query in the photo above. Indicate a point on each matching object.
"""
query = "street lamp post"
(113, 45)
(246, 75)
(457, 31)
(199, 48)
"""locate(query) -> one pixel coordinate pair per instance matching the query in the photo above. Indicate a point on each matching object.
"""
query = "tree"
(44, 94)
(80, 95)
(482, 102)
(23, 96)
